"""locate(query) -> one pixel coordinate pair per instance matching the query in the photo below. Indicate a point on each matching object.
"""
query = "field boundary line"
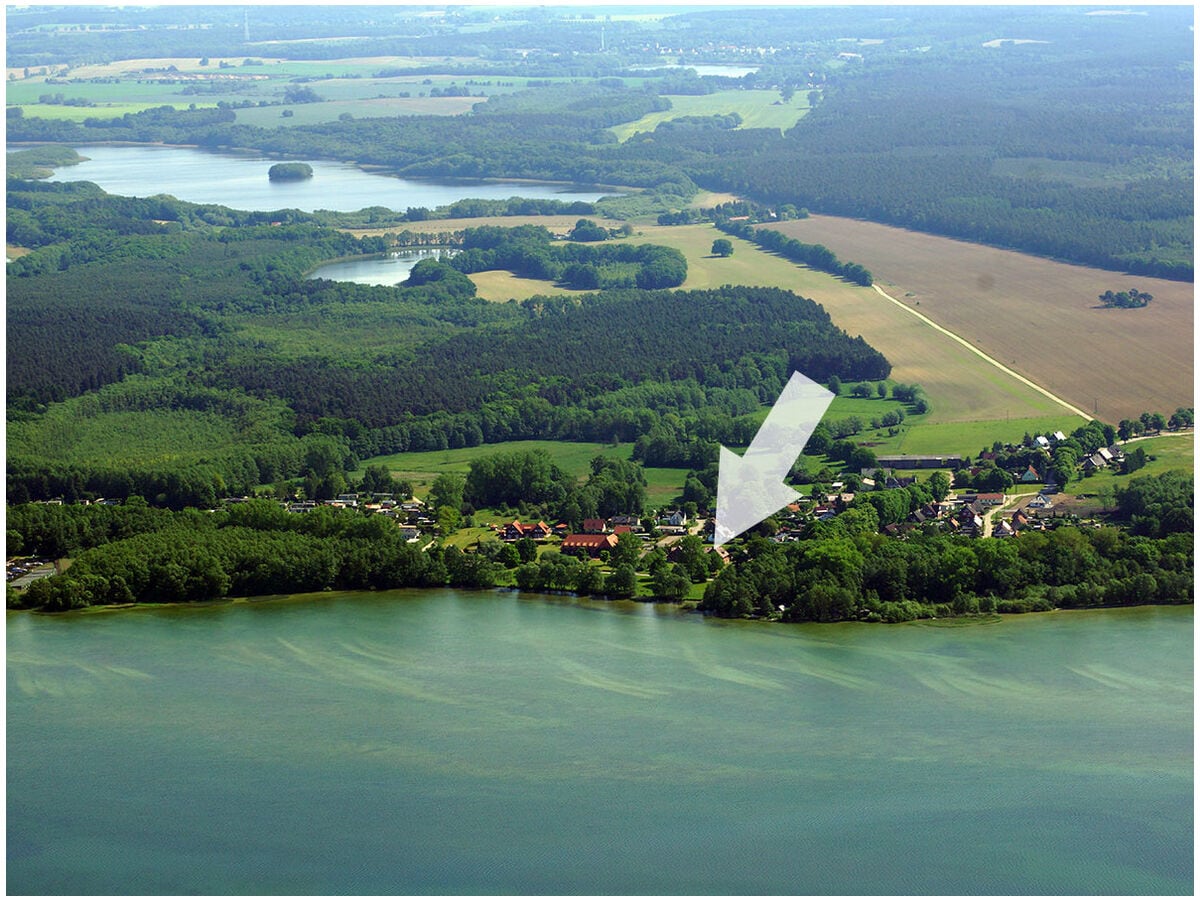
(999, 365)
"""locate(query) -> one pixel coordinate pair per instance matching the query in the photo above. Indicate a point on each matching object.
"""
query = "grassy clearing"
(1169, 453)
(758, 109)
(971, 437)
(1037, 316)
(467, 537)
(501, 286)
(362, 328)
(145, 437)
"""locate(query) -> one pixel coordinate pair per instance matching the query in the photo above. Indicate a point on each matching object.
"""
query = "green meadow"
(1164, 454)
(758, 109)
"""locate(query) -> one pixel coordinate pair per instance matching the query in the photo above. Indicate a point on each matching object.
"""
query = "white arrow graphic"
(750, 487)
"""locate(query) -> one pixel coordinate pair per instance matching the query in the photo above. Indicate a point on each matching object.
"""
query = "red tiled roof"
(589, 541)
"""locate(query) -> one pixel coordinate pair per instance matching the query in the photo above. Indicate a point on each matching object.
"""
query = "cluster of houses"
(965, 513)
(410, 512)
(1101, 459)
(596, 535)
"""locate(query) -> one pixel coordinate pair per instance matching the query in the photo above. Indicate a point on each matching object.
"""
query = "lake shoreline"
(366, 168)
(686, 609)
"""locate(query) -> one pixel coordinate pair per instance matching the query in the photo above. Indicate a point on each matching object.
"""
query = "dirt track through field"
(981, 354)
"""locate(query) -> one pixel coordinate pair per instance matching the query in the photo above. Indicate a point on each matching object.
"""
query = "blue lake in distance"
(390, 269)
(240, 181)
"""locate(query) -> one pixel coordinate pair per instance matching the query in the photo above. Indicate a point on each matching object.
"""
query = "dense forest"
(171, 324)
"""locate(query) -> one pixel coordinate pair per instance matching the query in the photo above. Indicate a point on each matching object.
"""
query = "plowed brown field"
(1041, 318)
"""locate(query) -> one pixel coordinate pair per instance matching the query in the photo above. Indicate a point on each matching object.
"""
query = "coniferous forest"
(191, 320)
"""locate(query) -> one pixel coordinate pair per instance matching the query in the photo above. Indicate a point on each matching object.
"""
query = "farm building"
(920, 462)
(589, 544)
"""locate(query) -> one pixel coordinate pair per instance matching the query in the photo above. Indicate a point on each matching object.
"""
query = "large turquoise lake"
(473, 743)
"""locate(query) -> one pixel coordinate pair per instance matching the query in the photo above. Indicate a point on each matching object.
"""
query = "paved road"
(26, 580)
(1005, 507)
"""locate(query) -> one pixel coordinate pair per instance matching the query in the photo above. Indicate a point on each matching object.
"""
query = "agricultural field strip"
(960, 385)
(1003, 368)
(1040, 314)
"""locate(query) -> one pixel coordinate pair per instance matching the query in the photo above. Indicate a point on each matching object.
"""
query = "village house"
(588, 544)
(515, 531)
(675, 518)
(594, 526)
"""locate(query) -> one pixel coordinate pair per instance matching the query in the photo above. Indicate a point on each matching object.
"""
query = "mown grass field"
(501, 286)
(1037, 316)
(1167, 453)
(758, 109)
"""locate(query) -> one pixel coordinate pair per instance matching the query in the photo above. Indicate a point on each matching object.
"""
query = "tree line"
(527, 251)
(816, 256)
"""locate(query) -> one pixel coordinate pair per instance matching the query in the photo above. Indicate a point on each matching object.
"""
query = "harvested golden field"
(1039, 317)
(961, 386)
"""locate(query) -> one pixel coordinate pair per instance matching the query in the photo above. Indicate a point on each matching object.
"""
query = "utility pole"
(246, 25)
